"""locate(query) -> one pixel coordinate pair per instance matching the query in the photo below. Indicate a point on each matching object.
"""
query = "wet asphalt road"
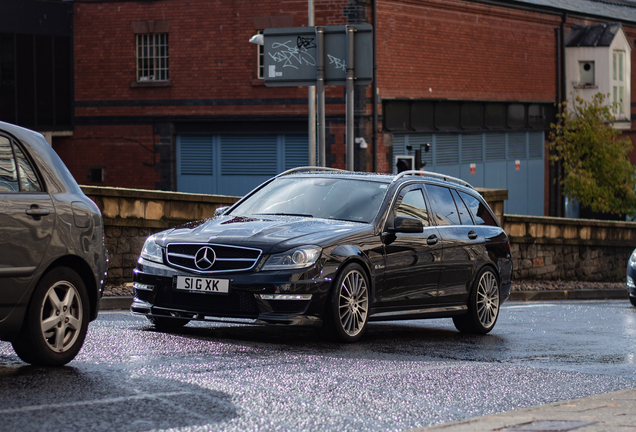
(401, 375)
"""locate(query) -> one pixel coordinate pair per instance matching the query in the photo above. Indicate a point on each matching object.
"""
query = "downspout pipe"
(374, 87)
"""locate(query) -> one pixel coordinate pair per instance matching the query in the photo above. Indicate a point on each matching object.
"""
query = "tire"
(167, 323)
(483, 305)
(347, 312)
(632, 300)
(56, 320)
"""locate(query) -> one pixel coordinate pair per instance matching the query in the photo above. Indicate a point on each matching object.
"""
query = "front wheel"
(632, 300)
(483, 305)
(348, 309)
(56, 321)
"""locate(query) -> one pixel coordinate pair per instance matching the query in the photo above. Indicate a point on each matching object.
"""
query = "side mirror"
(219, 211)
(407, 224)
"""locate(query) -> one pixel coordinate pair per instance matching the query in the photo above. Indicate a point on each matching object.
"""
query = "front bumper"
(255, 297)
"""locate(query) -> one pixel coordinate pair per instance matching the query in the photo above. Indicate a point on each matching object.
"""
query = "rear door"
(463, 243)
(27, 219)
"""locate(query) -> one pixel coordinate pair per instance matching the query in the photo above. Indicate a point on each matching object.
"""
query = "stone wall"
(542, 247)
(569, 249)
(131, 215)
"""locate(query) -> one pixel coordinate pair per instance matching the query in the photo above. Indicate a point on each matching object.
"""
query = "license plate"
(202, 285)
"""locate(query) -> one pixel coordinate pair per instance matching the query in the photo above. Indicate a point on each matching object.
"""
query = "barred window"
(260, 59)
(152, 57)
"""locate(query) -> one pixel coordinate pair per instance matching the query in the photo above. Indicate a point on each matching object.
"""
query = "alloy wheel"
(353, 302)
(487, 299)
(61, 316)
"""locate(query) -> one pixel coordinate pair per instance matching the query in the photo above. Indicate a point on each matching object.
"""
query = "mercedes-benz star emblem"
(205, 257)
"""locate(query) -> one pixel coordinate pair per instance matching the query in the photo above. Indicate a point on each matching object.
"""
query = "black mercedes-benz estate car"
(335, 249)
(52, 255)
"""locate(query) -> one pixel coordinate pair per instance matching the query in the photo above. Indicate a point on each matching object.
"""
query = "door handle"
(472, 235)
(431, 240)
(37, 211)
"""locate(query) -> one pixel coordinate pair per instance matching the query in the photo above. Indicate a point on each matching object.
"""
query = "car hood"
(271, 234)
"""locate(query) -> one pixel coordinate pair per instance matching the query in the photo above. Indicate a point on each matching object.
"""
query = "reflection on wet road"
(401, 375)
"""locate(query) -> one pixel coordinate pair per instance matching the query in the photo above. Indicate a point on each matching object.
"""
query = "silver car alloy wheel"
(353, 303)
(487, 299)
(61, 316)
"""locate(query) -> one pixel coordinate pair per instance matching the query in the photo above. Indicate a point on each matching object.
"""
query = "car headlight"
(152, 251)
(293, 259)
(632, 259)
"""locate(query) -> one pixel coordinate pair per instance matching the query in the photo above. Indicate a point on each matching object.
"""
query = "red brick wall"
(126, 153)
(436, 49)
(465, 50)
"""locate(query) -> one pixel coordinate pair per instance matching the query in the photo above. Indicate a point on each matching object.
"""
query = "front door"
(412, 259)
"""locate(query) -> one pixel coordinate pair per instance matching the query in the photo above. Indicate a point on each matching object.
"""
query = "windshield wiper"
(285, 214)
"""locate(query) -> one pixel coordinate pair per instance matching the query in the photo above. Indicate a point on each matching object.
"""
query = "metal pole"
(320, 89)
(311, 101)
(350, 101)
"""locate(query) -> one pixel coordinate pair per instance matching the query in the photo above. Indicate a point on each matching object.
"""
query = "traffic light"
(404, 163)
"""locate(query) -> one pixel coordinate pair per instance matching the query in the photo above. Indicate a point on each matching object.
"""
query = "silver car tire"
(56, 321)
(483, 305)
(348, 310)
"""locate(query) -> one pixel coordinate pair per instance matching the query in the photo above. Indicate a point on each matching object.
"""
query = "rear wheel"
(348, 309)
(56, 322)
(483, 305)
(168, 323)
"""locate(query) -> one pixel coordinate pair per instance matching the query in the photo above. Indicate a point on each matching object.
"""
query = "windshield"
(327, 198)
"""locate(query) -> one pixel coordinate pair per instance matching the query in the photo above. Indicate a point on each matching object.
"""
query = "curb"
(578, 294)
(115, 303)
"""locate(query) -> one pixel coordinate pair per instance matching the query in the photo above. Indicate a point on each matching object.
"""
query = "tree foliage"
(596, 169)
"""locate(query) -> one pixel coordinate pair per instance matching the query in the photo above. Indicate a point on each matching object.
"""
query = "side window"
(412, 204)
(464, 214)
(28, 178)
(8, 172)
(480, 212)
(443, 205)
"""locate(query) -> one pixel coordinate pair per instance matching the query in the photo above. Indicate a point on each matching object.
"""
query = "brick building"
(169, 94)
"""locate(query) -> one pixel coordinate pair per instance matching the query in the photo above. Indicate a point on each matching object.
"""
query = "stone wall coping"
(547, 220)
(493, 194)
(107, 191)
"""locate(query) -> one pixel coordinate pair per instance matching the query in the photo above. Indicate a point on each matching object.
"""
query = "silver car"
(52, 256)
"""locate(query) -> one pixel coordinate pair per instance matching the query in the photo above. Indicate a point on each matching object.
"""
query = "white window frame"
(152, 57)
(618, 83)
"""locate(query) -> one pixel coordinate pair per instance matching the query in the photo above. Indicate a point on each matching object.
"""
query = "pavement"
(607, 412)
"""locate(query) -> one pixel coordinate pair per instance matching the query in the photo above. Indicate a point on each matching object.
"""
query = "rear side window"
(480, 212)
(8, 172)
(443, 205)
(16, 177)
(464, 214)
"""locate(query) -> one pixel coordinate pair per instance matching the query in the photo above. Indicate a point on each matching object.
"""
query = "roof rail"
(435, 176)
(308, 169)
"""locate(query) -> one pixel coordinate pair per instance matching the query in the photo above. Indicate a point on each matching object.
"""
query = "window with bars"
(260, 59)
(152, 57)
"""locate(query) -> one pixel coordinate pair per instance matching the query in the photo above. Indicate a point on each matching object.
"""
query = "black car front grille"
(227, 258)
(237, 303)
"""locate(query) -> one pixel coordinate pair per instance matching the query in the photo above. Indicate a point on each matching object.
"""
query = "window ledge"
(585, 86)
(167, 83)
(258, 82)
